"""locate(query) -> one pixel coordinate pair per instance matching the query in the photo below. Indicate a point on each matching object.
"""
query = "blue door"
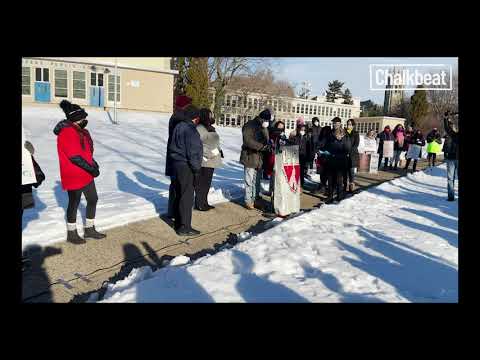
(42, 91)
(97, 96)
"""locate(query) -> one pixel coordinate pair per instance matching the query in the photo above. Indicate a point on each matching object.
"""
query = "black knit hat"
(192, 112)
(73, 112)
(336, 119)
(265, 115)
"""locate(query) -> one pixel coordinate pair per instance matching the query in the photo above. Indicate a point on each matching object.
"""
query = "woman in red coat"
(77, 169)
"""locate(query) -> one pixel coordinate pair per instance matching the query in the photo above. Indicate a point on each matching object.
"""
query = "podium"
(286, 189)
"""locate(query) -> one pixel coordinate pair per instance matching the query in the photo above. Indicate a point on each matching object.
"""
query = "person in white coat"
(212, 159)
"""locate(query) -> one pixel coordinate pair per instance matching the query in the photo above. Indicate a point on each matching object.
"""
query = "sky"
(354, 71)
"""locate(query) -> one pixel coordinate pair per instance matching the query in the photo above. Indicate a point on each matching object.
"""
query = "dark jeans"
(431, 158)
(348, 177)
(203, 181)
(171, 197)
(303, 169)
(74, 196)
(414, 164)
(335, 183)
(380, 157)
(183, 195)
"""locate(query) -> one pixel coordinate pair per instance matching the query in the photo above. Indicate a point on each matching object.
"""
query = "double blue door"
(97, 97)
(42, 91)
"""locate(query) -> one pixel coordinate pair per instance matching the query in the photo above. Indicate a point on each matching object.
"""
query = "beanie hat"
(265, 115)
(192, 112)
(300, 121)
(73, 112)
(182, 101)
(336, 119)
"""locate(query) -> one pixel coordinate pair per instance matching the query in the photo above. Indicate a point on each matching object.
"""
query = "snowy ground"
(397, 242)
(131, 186)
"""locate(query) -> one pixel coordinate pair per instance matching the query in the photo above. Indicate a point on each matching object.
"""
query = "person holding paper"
(212, 159)
(385, 135)
(419, 140)
(398, 145)
(78, 169)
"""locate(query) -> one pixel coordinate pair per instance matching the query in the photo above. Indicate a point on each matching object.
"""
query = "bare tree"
(223, 69)
(444, 100)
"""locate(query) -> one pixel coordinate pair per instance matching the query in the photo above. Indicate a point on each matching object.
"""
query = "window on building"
(234, 101)
(79, 85)
(250, 103)
(61, 83)
(245, 102)
(111, 88)
(42, 74)
(350, 113)
(275, 103)
(222, 119)
(227, 120)
(228, 100)
(323, 110)
(255, 104)
(315, 110)
(26, 88)
(302, 109)
(239, 121)
(331, 111)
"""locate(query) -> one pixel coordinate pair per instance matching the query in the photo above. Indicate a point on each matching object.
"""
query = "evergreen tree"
(180, 64)
(197, 85)
(419, 106)
(347, 97)
(334, 90)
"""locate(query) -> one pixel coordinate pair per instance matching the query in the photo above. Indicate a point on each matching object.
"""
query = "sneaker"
(210, 207)
(187, 232)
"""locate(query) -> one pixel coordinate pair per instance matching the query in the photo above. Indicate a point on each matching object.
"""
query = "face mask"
(265, 124)
(350, 127)
(316, 123)
(83, 123)
(302, 132)
(336, 125)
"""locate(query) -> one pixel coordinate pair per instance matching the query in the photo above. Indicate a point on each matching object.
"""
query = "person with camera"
(450, 150)
(78, 169)
(255, 145)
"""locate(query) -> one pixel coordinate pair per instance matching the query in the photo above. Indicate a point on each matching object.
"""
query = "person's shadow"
(333, 284)
(35, 280)
(33, 213)
(256, 289)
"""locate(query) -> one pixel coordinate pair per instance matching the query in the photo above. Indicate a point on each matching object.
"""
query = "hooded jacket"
(254, 140)
(178, 116)
(75, 153)
(185, 146)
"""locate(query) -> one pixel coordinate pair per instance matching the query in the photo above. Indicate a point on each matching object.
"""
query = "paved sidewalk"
(70, 273)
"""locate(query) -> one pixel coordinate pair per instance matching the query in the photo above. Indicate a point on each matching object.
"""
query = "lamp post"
(115, 96)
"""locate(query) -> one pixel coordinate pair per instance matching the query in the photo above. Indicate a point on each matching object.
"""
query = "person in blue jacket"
(186, 153)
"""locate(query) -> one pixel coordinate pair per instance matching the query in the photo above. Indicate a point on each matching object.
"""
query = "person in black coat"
(353, 159)
(416, 139)
(338, 147)
(450, 150)
(322, 160)
(27, 192)
(304, 146)
(385, 135)
(181, 103)
(186, 153)
(315, 131)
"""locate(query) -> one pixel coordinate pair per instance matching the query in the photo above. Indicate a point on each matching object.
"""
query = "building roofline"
(106, 64)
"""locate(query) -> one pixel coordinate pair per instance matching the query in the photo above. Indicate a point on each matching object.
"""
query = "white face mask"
(302, 132)
(316, 123)
(265, 124)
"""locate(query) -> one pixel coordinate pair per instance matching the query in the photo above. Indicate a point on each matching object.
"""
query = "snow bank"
(393, 243)
(131, 186)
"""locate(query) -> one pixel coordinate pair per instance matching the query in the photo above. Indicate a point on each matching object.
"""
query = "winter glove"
(82, 163)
